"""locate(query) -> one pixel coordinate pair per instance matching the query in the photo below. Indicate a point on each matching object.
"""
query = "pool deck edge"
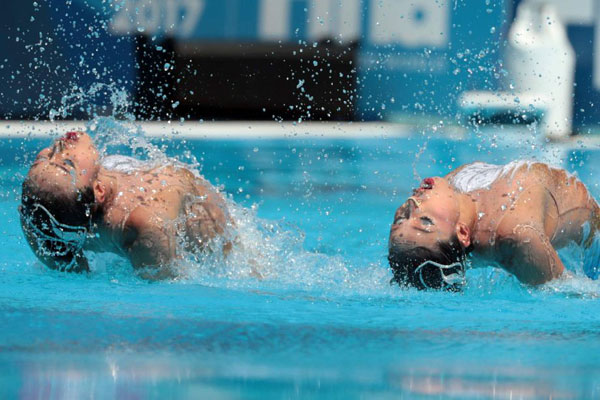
(219, 130)
(265, 130)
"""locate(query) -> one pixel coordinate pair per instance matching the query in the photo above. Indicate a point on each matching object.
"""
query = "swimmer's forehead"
(51, 176)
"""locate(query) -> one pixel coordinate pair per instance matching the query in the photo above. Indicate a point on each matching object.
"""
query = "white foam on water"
(271, 254)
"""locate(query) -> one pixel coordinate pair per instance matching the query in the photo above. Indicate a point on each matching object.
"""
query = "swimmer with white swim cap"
(514, 216)
(73, 200)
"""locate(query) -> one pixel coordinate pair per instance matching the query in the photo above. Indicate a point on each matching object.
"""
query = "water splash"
(265, 253)
(99, 99)
(270, 254)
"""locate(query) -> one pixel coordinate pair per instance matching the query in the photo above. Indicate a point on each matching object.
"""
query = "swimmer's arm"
(148, 244)
(524, 247)
(209, 218)
(528, 254)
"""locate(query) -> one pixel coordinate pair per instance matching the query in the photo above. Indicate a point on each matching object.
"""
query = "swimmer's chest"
(161, 193)
(506, 203)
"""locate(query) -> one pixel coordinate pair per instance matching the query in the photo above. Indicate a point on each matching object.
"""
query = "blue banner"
(414, 57)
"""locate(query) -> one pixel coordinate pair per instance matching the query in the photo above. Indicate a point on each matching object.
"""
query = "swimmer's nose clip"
(417, 202)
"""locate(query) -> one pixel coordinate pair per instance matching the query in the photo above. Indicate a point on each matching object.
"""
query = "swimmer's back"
(568, 202)
(523, 173)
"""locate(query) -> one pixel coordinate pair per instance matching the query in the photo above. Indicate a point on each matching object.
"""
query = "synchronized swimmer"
(514, 216)
(74, 200)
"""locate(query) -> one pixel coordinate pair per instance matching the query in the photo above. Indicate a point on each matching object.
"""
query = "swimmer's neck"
(108, 236)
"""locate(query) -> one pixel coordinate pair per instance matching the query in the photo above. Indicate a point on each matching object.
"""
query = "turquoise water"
(324, 322)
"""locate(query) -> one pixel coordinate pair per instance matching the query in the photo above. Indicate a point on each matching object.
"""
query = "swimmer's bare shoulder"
(149, 236)
(208, 217)
(146, 239)
(522, 243)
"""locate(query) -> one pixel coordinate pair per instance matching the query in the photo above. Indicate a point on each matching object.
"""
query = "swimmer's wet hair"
(405, 262)
(51, 219)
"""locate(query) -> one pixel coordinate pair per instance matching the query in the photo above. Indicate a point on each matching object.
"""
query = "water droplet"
(480, 215)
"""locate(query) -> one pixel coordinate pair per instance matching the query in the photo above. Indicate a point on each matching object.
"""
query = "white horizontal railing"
(221, 130)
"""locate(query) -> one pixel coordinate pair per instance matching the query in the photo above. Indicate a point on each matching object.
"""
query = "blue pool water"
(324, 323)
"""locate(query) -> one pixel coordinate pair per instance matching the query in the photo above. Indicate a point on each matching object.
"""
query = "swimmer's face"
(71, 163)
(426, 218)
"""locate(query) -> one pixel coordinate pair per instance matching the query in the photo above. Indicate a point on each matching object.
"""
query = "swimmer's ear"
(464, 234)
(99, 192)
